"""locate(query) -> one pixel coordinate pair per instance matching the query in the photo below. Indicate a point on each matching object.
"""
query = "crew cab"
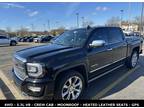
(64, 67)
(4, 40)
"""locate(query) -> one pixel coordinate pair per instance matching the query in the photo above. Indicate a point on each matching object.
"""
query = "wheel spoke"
(73, 96)
(78, 84)
(77, 90)
(75, 80)
(65, 86)
(68, 97)
(64, 94)
(70, 81)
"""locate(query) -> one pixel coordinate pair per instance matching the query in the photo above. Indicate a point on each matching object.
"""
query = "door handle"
(109, 49)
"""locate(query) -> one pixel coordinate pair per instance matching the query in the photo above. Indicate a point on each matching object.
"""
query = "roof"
(92, 28)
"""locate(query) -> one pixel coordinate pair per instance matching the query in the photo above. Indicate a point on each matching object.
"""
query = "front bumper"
(46, 85)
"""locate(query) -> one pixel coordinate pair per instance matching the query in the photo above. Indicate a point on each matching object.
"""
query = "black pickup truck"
(64, 67)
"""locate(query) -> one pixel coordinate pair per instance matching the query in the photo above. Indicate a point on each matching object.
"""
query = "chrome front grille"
(19, 67)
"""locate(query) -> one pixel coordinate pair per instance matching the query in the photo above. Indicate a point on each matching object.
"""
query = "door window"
(3, 37)
(99, 34)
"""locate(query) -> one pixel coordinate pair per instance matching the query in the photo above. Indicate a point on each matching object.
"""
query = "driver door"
(99, 57)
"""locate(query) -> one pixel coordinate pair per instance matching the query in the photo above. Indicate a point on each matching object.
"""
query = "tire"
(64, 80)
(130, 62)
(13, 43)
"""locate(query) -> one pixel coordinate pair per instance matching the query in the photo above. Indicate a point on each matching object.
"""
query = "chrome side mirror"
(97, 43)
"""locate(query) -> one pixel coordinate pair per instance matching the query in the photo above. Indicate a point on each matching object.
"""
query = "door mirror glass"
(97, 43)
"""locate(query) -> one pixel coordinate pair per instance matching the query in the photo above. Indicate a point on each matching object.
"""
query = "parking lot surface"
(119, 84)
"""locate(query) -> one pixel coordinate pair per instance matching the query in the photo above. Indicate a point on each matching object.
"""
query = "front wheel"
(133, 60)
(13, 43)
(69, 86)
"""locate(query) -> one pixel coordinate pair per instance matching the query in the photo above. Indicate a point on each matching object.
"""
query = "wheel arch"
(80, 68)
(136, 49)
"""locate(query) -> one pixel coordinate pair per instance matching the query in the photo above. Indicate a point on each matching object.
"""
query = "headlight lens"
(34, 69)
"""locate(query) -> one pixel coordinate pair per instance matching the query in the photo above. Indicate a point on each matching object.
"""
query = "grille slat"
(19, 68)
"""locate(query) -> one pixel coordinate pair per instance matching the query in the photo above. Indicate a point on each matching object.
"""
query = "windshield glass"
(72, 38)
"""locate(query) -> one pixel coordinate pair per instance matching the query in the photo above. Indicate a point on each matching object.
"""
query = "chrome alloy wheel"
(72, 88)
(134, 59)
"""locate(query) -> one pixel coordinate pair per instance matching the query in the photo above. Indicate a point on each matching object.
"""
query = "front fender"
(73, 66)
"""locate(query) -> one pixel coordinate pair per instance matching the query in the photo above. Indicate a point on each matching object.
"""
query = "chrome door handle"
(110, 49)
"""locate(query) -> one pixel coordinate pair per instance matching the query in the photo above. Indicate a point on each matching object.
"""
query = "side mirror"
(97, 43)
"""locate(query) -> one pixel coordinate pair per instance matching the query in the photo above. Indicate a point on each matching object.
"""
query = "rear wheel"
(133, 60)
(70, 86)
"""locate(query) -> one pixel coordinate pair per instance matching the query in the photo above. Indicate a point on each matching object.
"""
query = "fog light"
(34, 89)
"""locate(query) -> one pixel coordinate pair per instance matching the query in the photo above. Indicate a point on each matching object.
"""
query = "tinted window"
(99, 34)
(115, 35)
(3, 37)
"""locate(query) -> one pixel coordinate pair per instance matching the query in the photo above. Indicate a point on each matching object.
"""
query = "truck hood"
(41, 50)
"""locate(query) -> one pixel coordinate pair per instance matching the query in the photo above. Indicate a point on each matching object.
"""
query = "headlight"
(34, 69)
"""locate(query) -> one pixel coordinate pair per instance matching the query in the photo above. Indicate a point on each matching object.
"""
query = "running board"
(105, 73)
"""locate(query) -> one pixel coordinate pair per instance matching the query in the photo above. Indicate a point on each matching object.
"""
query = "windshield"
(74, 38)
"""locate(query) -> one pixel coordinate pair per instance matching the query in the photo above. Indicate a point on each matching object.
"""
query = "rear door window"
(115, 35)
